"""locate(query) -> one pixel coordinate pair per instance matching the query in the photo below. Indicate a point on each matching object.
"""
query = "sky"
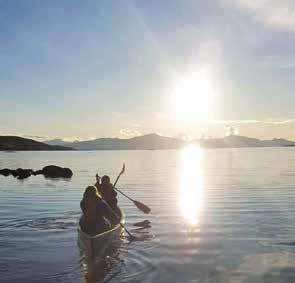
(88, 69)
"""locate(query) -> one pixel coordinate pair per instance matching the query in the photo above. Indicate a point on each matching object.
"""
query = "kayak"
(96, 246)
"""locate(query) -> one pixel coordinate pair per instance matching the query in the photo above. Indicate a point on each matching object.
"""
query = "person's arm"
(82, 205)
(97, 184)
(114, 193)
(104, 209)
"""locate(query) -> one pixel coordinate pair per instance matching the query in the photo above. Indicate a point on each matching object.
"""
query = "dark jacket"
(95, 215)
(108, 194)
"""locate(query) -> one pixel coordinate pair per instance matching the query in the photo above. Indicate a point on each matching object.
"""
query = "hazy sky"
(107, 68)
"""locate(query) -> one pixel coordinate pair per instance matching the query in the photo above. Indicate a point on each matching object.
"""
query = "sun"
(192, 98)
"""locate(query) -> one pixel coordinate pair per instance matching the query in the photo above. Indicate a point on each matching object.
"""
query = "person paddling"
(107, 191)
(95, 212)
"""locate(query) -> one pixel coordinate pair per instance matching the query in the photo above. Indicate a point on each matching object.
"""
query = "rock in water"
(14, 173)
(50, 171)
(23, 173)
(53, 171)
(38, 172)
(5, 172)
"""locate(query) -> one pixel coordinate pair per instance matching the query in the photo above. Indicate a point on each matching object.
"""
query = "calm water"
(225, 215)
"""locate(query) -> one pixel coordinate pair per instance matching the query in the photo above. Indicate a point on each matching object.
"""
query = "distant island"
(14, 143)
(145, 142)
(234, 141)
(155, 141)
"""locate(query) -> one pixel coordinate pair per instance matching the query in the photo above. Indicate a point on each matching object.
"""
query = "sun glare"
(191, 184)
(192, 98)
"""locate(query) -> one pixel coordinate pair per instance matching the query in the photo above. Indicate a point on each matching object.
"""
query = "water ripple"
(244, 230)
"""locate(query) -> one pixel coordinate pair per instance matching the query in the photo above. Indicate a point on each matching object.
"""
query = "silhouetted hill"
(59, 142)
(19, 143)
(151, 141)
(155, 141)
(278, 142)
(240, 141)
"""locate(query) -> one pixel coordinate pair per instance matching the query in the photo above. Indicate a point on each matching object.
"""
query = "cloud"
(278, 62)
(37, 138)
(34, 137)
(268, 121)
(275, 13)
(129, 133)
(40, 138)
(262, 129)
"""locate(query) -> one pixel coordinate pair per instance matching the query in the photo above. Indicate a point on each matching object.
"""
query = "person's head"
(105, 179)
(90, 192)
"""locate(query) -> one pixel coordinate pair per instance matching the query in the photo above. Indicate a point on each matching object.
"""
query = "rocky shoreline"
(51, 171)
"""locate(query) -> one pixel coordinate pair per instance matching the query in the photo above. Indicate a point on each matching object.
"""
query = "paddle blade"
(144, 208)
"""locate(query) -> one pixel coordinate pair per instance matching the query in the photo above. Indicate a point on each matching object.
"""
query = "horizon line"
(202, 137)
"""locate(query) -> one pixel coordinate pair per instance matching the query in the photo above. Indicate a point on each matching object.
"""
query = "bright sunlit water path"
(191, 183)
(224, 215)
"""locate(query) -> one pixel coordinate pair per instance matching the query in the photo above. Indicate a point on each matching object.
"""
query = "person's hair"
(90, 192)
(105, 179)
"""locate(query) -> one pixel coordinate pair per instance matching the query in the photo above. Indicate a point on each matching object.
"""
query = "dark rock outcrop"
(5, 172)
(50, 171)
(23, 173)
(38, 172)
(13, 173)
(53, 171)
(18, 173)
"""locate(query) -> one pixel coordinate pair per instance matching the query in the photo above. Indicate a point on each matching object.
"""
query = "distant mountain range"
(146, 142)
(240, 141)
(155, 141)
(13, 143)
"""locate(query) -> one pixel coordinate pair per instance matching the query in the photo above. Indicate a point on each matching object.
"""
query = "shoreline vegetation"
(145, 142)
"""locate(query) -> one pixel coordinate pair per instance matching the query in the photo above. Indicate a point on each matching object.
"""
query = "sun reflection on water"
(191, 184)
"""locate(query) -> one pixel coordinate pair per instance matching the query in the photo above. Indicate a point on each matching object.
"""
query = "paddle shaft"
(117, 179)
(114, 185)
(115, 214)
(123, 194)
(141, 206)
(122, 171)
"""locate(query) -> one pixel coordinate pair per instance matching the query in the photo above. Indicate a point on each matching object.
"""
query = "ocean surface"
(218, 215)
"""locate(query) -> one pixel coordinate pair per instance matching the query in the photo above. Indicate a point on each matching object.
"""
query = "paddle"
(121, 224)
(115, 214)
(141, 206)
(122, 172)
